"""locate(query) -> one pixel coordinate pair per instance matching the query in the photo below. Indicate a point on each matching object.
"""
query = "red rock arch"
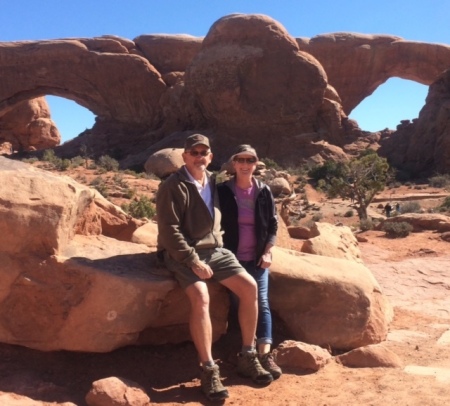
(101, 74)
(356, 64)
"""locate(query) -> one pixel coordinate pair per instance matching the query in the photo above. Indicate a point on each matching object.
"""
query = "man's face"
(197, 158)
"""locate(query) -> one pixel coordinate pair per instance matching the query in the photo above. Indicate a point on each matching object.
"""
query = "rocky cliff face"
(422, 147)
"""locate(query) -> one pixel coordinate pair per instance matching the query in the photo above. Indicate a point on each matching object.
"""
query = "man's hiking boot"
(268, 363)
(211, 385)
(248, 365)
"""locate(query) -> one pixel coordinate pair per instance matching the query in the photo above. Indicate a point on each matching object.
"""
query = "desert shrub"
(77, 161)
(270, 163)
(130, 193)
(99, 184)
(120, 181)
(393, 185)
(446, 203)
(108, 163)
(440, 181)
(30, 160)
(49, 156)
(349, 213)
(410, 207)
(317, 217)
(130, 172)
(58, 163)
(329, 170)
(142, 207)
(62, 164)
(397, 230)
(366, 225)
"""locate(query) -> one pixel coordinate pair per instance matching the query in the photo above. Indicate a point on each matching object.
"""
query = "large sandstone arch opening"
(395, 100)
(70, 118)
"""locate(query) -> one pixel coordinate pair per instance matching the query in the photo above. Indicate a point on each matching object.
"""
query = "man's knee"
(198, 295)
(244, 286)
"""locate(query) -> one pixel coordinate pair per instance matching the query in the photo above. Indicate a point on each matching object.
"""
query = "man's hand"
(202, 270)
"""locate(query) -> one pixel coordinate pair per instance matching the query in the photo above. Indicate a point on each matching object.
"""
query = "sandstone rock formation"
(116, 391)
(248, 79)
(422, 147)
(332, 241)
(426, 221)
(356, 64)
(28, 126)
(327, 288)
(66, 291)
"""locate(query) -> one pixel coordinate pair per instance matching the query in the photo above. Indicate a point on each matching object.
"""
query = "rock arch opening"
(70, 118)
(393, 101)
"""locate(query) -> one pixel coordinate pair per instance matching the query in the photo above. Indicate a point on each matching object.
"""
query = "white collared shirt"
(205, 191)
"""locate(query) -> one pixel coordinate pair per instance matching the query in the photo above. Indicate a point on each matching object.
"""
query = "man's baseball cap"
(196, 139)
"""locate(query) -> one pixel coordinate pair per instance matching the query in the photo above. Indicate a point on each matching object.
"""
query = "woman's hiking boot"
(268, 363)
(248, 365)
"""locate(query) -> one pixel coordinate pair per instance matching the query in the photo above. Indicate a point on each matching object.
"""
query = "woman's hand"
(266, 260)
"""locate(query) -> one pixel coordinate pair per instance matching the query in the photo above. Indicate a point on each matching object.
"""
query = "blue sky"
(414, 20)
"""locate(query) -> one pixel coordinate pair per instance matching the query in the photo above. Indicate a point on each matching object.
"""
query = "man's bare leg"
(200, 320)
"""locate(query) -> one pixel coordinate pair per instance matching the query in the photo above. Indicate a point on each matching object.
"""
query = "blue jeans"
(264, 325)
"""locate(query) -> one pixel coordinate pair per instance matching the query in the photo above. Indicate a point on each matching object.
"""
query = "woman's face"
(244, 165)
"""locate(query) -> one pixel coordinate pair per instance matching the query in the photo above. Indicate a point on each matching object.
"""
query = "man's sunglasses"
(193, 152)
(245, 160)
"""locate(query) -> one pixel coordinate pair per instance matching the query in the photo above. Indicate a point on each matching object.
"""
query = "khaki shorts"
(222, 262)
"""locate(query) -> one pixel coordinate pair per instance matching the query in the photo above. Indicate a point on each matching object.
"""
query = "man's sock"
(248, 349)
(208, 364)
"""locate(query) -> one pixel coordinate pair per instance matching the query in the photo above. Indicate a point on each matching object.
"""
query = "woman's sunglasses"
(193, 152)
(245, 160)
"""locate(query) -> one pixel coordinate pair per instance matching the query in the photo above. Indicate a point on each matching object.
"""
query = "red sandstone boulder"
(28, 126)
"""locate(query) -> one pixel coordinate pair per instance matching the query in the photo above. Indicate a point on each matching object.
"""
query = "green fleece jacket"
(184, 222)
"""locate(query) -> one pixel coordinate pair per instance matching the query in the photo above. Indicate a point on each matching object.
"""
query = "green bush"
(58, 163)
(62, 164)
(108, 163)
(397, 230)
(440, 181)
(410, 207)
(130, 193)
(329, 170)
(77, 161)
(30, 160)
(49, 156)
(349, 213)
(142, 207)
(99, 184)
(446, 203)
(366, 225)
(270, 163)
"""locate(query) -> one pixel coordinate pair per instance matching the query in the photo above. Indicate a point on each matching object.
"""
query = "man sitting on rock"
(190, 239)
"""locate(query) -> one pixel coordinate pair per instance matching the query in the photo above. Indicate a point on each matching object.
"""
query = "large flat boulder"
(328, 301)
(99, 295)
